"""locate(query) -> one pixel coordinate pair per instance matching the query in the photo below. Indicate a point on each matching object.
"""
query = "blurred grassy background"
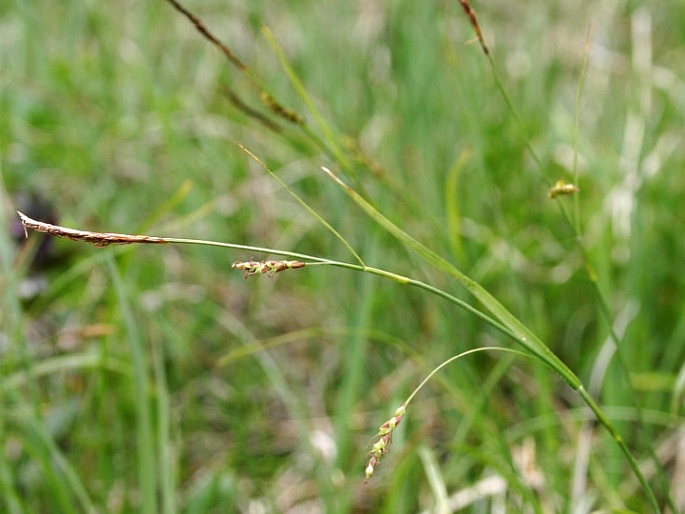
(116, 114)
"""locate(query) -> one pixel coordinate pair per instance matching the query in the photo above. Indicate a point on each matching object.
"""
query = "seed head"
(562, 188)
(383, 440)
(265, 267)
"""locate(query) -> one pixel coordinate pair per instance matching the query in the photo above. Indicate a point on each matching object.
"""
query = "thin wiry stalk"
(383, 438)
(575, 226)
(576, 127)
(304, 205)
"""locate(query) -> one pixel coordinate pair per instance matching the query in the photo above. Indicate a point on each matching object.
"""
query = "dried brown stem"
(240, 104)
(99, 239)
(206, 33)
(474, 23)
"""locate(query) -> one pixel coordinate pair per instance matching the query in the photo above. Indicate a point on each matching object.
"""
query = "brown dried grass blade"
(99, 239)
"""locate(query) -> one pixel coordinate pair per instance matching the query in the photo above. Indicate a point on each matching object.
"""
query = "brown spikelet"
(240, 104)
(471, 14)
(281, 111)
(96, 238)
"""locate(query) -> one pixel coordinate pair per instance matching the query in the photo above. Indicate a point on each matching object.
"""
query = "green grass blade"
(435, 479)
(353, 364)
(10, 321)
(576, 130)
(164, 444)
(60, 473)
(331, 140)
(452, 205)
(293, 403)
(305, 205)
(8, 490)
(172, 202)
(147, 466)
(36, 444)
(521, 333)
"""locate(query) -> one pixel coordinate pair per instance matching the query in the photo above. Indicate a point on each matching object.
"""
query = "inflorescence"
(384, 438)
(265, 267)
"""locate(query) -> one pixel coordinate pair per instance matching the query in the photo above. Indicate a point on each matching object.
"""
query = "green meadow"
(512, 205)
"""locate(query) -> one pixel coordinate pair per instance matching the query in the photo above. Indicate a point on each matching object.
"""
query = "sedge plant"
(496, 314)
(348, 159)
